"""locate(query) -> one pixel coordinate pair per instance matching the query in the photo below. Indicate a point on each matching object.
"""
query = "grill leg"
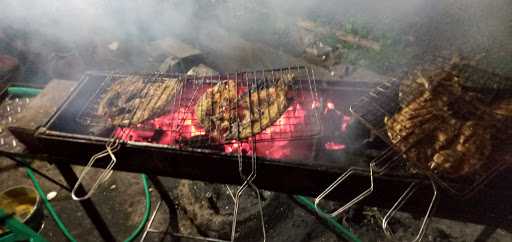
(169, 202)
(87, 204)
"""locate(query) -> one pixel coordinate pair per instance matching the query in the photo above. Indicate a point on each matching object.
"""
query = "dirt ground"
(121, 204)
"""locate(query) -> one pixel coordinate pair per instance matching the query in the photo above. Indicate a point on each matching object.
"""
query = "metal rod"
(343, 177)
(398, 204)
(150, 222)
(401, 201)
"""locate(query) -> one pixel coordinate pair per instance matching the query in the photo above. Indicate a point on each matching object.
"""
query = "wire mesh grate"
(202, 111)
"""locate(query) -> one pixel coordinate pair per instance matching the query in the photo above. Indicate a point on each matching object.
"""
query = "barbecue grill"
(313, 161)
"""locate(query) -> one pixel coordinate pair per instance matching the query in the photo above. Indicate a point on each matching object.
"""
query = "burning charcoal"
(157, 135)
(359, 138)
(332, 122)
(200, 142)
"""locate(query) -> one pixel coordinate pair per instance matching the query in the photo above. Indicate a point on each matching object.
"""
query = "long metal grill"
(270, 107)
(457, 120)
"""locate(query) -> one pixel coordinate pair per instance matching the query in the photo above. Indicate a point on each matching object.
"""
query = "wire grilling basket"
(192, 111)
(264, 106)
(123, 100)
(452, 124)
(201, 112)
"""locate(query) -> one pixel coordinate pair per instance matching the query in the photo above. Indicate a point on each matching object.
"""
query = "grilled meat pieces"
(447, 128)
(503, 112)
(470, 149)
(227, 116)
(132, 100)
(503, 108)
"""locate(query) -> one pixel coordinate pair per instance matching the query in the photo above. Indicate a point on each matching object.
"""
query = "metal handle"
(353, 201)
(388, 158)
(111, 147)
(401, 201)
(247, 182)
(379, 165)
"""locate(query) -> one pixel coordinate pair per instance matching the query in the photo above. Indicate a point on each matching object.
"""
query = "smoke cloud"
(472, 25)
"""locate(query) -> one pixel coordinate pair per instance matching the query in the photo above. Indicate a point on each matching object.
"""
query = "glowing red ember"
(334, 146)
(276, 142)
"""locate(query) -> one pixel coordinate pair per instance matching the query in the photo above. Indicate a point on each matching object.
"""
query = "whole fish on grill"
(133, 99)
(216, 108)
(226, 115)
(260, 108)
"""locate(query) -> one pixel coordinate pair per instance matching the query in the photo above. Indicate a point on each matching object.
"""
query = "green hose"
(63, 228)
(30, 92)
(18, 230)
(144, 220)
(49, 206)
(338, 228)
(23, 91)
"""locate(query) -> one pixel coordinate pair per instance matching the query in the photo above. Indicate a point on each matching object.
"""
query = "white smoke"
(474, 24)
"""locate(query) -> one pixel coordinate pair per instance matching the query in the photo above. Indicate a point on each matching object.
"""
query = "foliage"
(393, 54)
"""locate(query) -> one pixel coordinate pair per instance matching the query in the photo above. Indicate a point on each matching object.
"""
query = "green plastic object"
(337, 227)
(65, 230)
(49, 206)
(144, 220)
(23, 91)
(19, 231)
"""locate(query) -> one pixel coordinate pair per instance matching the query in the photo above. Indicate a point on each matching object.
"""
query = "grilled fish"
(226, 115)
(132, 100)
(216, 108)
(260, 109)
